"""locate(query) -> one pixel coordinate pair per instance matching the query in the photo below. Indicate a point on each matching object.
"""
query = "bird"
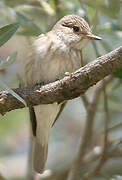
(51, 56)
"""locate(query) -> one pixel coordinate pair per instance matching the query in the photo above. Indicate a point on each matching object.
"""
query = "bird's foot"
(68, 74)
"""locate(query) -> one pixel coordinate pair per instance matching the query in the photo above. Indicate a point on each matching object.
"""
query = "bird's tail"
(45, 117)
(39, 156)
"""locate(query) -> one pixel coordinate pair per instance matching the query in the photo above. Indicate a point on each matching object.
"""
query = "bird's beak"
(93, 37)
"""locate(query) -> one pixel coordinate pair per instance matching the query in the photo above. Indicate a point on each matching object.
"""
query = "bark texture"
(67, 88)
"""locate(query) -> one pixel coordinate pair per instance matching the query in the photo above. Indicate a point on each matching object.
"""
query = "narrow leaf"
(5, 87)
(7, 32)
(28, 25)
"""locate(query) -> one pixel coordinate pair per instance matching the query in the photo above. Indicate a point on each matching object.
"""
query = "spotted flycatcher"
(53, 54)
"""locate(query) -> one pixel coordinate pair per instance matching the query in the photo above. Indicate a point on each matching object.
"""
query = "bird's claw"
(68, 74)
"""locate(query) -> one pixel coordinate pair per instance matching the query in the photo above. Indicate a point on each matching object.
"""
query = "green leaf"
(53, 4)
(28, 32)
(5, 87)
(118, 73)
(36, 15)
(7, 32)
(10, 60)
(28, 26)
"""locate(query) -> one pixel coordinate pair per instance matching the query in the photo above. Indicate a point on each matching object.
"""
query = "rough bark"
(67, 88)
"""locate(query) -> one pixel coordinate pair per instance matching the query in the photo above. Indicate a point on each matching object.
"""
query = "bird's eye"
(76, 28)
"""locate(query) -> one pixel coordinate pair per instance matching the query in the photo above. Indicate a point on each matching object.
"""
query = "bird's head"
(74, 31)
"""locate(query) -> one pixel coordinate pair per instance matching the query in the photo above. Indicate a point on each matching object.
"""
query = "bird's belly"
(56, 68)
(57, 71)
(52, 68)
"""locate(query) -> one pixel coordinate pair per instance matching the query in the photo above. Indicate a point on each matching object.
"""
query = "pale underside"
(49, 60)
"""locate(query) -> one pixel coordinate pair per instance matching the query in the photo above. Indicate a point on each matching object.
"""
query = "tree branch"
(67, 88)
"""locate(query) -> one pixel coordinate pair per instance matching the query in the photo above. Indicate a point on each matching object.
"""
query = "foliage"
(7, 31)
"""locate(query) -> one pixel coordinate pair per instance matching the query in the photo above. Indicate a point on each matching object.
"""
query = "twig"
(103, 159)
(87, 136)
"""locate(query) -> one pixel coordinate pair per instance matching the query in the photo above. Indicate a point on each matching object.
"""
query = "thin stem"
(87, 136)
(103, 159)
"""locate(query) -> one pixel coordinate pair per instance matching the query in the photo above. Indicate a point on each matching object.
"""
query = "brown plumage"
(53, 54)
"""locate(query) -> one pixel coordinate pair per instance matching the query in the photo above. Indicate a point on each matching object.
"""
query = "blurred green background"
(36, 17)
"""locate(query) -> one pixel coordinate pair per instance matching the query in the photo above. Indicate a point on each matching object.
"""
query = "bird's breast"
(59, 63)
(50, 63)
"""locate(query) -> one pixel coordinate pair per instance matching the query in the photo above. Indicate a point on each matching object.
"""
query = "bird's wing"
(33, 120)
(37, 58)
(33, 117)
(60, 111)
